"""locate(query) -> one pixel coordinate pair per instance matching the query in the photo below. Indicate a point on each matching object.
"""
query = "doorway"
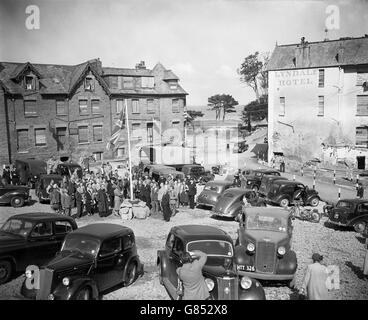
(361, 162)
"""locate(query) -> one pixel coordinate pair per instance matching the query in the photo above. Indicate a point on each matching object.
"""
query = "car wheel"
(5, 271)
(131, 274)
(83, 294)
(360, 226)
(17, 202)
(314, 202)
(316, 216)
(284, 202)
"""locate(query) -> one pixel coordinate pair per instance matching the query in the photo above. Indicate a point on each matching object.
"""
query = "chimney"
(140, 65)
(302, 54)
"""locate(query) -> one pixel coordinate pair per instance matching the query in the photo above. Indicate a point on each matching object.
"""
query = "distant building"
(66, 110)
(318, 100)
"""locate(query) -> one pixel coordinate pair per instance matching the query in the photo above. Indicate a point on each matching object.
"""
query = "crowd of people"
(102, 191)
(10, 176)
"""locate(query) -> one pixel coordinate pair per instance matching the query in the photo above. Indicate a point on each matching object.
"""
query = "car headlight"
(66, 281)
(251, 247)
(210, 284)
(281, 251)
(245, 283)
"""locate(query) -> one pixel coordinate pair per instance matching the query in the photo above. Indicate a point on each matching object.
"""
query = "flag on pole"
(117, 130)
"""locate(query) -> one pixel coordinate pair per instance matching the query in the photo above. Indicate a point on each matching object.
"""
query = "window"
(135, 130)
(175, 105)
(40, 137)
(83, 134)
(321, 78)
(176, 124)
(178, 246)
(42, 229)
(95, 106)
(98, 156)
(282, 106)
(321, 105)
(110, 246)
(120, 152)
(135, 106)
(173, 85)
(150, 132)
(22, 140)
(361, 78)
(150, 106)
(30, 108)
(170, 241)
(362, 105)
(120, 82)
(128, 82)
(119, 105)
(361, 136)
(97, 133)
(148, 82)
(89, 83)
(29, 82)
(128, 242)
(63, 227)
(60, 107)
(60, 137)
(83, 107)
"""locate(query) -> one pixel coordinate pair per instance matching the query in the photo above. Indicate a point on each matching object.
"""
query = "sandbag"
(141, 212)
(126, 213)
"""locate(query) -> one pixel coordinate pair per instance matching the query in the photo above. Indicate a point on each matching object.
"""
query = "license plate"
(246, 268)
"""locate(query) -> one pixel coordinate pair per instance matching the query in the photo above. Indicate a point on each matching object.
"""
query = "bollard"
(314, 183)
(294, 177)
(301, 171)
(357, 182)
(339, 194)
(334, 177)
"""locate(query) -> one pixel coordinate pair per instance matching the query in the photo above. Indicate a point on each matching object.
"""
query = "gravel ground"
(340, 247)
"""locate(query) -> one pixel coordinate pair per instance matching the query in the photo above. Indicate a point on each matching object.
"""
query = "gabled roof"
(21, 69)
(329, 53)
(169, 75)
(127, 72)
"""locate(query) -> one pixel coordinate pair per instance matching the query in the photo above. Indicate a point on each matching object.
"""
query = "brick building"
(65, 110)
(318, 101)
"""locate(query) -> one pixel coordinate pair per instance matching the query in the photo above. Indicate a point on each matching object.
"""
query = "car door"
(109, 264)
(41, 243)
(174, 258)
(3, 191)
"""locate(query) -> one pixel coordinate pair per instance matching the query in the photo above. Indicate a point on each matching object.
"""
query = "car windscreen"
(266, 222)
(212, 188)
(212, 247)
(17, 227)
(80, 244)
(344, 204)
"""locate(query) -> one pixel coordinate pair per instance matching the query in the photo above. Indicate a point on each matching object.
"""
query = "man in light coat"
(315, 280)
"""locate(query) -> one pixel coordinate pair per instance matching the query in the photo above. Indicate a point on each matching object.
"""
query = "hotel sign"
(290, 78)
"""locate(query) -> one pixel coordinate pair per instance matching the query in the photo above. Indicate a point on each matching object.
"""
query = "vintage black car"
(266, 182)
(254, 177)
(16, 196)
(263, 247)
(93, 260)
(31, 239)
(219, 271)
(29, 170)
(240, 147)
(195, 171)
(43, 183)
(68, 168)
(285, 192)
(230, 203)
(349, 213)
(211, 192)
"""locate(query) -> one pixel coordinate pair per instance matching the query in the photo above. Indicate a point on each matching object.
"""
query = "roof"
(219, 183)
(239, 191)
(40, 216)
(102, 231)
(169, 75)
(200, 232)
(287, 182)
(127, 72)
(331, 53)
(270, 211)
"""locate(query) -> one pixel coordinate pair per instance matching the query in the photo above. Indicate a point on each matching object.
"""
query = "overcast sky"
(202, 41)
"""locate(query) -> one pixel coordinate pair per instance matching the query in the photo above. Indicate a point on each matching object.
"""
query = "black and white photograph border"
(177, 150)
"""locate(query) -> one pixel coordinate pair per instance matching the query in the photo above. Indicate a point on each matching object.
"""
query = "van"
(29, 171)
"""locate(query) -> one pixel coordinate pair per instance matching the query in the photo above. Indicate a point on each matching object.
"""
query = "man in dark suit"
(191, 192)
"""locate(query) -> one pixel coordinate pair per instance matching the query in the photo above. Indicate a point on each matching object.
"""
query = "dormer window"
(89, 84)
(29, 83)
(173, 85)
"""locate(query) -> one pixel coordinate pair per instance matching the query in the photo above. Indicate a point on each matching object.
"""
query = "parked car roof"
(102, 231)
(40, 216)
(287, 182)
(219, 183)
(194, 232)
(238, 191)
(270, 211)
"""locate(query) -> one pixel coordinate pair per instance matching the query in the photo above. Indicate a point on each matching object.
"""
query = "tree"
(255, 111)
(190, 117)
(224, 102)
(253, 72)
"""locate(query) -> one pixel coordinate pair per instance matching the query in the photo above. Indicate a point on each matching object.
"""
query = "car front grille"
(228, 288)
(46, 276)
(265, 257)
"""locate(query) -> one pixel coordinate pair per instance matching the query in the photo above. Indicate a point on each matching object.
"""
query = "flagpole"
(129, 153)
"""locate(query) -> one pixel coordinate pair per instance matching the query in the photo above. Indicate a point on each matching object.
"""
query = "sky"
(203, 41)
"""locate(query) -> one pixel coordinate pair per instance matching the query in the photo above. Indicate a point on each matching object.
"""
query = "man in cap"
(315, 280)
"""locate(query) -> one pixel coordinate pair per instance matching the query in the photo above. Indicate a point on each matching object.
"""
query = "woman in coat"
(165, 205)
(173, 200)
(117, 199)
(102, 202)
(184, 199)
(55, 199)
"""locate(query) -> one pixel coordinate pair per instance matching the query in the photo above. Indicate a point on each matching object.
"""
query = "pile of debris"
(130, 209)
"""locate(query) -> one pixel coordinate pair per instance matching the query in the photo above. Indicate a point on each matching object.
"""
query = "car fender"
(9, 195)
(288, 264)
(162, 259)
(133, 259)
(363, 217)
(11, 259)
(241, 257)
(311, 196)
(69, 292)
(255, 292)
